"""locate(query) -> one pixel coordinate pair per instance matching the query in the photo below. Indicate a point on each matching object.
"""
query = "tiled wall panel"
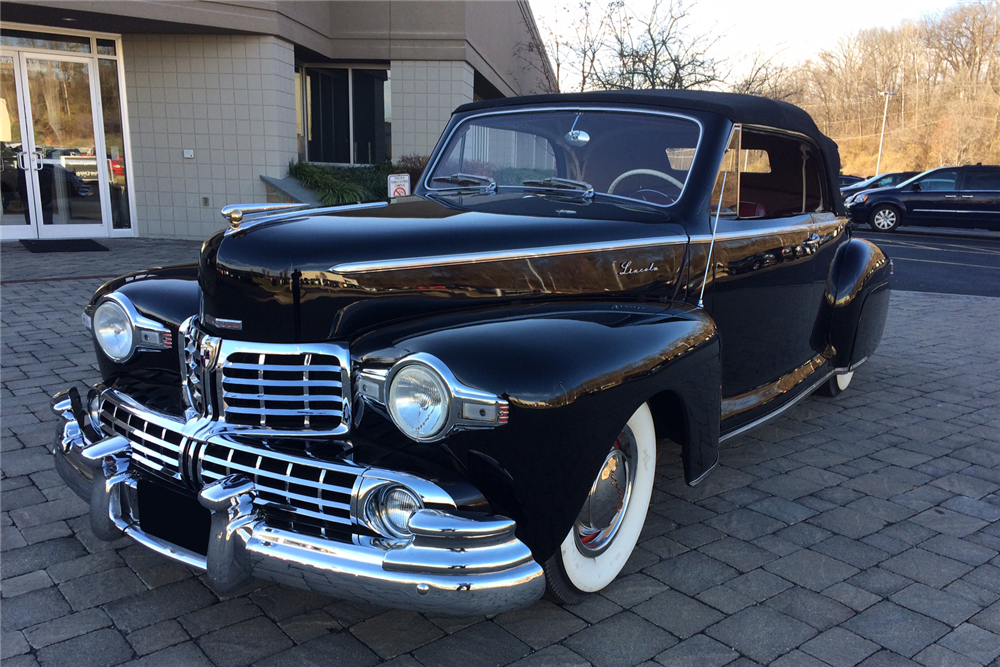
(230, 99)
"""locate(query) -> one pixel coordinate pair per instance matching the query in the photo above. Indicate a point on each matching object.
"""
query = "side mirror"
(916, 187)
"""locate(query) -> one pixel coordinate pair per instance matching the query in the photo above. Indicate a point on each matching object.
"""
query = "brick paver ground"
(861, 530)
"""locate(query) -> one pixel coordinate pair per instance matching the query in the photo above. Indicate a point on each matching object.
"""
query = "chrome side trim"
(571, 109)
(941, 210)
(768, 417)
(734, 405)
(756, 232)
(502, 255)
(705, 474)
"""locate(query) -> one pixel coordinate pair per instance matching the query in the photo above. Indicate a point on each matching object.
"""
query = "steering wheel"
(643, 172)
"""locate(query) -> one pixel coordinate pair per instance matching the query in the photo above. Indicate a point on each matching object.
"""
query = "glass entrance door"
(54, 175)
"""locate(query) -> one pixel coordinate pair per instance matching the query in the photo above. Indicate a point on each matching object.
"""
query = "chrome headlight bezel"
(145, 334)
(110, 314)
(467, 408)
(397, 394)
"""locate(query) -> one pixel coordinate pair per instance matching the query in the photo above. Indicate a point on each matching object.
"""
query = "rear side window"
(982, 179)
(771, 175)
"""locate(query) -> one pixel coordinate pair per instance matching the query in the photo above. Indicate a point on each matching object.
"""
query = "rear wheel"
(835, 385)
(606, 530)
(884, 218)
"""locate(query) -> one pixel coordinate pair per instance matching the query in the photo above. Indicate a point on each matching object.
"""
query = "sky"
(790, 31)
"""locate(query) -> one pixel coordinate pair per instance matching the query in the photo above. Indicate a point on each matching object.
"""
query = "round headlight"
(418, 401)
(113, 330)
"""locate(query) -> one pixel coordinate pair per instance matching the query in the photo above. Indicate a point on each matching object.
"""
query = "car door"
(771, 262)
(933, 198)
(978, 197)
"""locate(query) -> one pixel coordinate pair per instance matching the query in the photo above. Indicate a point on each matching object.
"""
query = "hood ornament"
(235, 213)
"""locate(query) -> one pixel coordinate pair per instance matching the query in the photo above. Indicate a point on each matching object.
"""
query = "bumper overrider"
(448, 564)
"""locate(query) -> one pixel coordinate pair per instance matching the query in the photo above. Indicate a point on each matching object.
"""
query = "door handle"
(967, 196)
(951, 196)
(22, 160)
(37, 164)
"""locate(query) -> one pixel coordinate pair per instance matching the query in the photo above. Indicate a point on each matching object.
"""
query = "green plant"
(347, 185)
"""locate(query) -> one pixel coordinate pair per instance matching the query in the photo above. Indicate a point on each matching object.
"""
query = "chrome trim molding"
(571, 109)
(705, 474)
(808, 392)
(501, 255)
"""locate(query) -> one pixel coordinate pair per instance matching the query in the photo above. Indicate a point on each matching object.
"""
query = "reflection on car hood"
(306, 277)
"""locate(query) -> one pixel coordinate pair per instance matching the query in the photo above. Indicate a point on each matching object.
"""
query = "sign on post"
(399, 185)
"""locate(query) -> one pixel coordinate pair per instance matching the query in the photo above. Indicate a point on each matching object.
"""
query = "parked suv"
(945, 197)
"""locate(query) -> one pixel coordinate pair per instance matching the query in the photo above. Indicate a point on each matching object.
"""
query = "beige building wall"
(230, 99)
(424, 93)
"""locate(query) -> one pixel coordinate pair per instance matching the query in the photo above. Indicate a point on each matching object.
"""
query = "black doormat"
(64, 245)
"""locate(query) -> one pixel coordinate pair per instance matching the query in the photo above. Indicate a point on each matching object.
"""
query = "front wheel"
(884, 218)
(605, 532)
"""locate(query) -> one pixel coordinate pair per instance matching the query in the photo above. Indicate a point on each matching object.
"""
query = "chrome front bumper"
(451, 565)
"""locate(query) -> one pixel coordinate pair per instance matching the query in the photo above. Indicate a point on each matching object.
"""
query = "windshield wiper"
(481, 183)
(586, 190)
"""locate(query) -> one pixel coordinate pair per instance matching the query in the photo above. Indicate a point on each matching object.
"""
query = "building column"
(424, 93)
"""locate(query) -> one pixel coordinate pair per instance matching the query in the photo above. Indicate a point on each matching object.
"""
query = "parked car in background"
(966, 197)
(451, 402)
(849, 180)
(881, 181)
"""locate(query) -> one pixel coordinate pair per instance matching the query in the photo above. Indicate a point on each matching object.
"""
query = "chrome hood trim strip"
(501, 255)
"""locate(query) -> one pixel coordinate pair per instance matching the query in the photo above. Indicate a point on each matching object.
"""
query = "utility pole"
(885, 111)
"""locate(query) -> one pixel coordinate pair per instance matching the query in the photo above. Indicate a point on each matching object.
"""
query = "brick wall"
(229, 98)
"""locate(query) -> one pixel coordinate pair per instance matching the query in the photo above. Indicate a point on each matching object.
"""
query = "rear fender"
(573, 375)
(856, 302)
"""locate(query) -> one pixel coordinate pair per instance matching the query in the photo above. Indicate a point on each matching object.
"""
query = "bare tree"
(766, 77)
(612, 47)
(656, 50)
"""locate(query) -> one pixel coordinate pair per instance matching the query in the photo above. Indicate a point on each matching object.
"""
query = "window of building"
(344, 114)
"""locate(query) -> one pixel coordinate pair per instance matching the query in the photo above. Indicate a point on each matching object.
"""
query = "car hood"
(328, 275)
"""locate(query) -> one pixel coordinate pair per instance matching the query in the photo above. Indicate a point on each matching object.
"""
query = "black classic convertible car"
(451, 402)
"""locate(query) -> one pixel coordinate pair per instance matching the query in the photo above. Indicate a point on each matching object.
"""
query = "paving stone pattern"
(861, 530)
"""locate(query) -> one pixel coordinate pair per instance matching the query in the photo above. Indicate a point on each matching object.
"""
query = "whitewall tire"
(611, 519)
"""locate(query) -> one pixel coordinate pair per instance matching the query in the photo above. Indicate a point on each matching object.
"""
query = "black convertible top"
(746, 109)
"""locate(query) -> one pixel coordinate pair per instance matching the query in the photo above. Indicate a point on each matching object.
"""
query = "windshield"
(644, 157)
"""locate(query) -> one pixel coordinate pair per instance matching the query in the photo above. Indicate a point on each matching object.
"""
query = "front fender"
(573, 375)
(167, 295)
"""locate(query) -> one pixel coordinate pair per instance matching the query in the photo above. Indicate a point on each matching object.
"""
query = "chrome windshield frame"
(446, 141)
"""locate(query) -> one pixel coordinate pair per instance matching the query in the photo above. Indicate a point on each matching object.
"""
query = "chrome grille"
(155, 447)
(303, 491)
(283, 390)
(312, 491)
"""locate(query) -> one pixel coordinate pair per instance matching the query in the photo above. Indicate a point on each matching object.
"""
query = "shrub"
(347, 185)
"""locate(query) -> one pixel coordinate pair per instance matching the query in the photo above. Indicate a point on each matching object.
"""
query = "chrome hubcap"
(606, 505)
(885, 219)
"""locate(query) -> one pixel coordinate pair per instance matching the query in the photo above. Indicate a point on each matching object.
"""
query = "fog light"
(390, 509)
(94, 409)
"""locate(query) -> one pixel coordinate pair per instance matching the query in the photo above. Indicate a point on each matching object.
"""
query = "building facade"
(145, 118)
